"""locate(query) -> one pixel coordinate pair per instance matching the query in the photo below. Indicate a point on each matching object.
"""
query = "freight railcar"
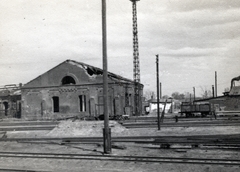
(191, 110)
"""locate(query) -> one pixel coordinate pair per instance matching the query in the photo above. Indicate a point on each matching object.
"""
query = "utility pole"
(216, 83)
(160, 90)
(213, 90)
(136, 66)
(193, 94)
(158, 111)
(106, 130)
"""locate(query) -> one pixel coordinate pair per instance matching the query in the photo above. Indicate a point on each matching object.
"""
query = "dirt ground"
(94, 128)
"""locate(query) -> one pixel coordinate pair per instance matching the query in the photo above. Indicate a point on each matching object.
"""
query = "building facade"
(76, 89)
(229, 101)
(10, 101)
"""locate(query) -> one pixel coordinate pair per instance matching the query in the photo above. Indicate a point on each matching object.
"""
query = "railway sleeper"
(184, 146)
(165, 146)
(197, 146)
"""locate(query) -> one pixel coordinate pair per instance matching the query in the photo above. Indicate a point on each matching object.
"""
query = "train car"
(191, 110)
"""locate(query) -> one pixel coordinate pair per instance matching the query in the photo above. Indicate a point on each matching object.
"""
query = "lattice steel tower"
(136, 66)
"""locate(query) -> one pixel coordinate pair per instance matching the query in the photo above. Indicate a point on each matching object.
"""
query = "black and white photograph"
(119, 86)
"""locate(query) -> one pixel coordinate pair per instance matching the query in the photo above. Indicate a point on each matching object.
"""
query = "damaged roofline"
(91, 70)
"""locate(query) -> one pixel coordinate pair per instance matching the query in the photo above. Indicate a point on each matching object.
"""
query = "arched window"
(68, 80)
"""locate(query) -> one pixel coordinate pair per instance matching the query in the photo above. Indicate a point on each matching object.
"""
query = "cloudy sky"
(194, 38)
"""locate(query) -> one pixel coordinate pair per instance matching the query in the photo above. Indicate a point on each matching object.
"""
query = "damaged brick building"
(10, 101)
(76, 89)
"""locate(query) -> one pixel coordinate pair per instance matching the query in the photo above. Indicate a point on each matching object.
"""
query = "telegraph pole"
(158, 111)
(215, 83)
(106, 130)
(213, 90)
(160, 90)
(193, 94)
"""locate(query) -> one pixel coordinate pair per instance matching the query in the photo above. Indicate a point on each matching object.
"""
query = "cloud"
(189, 5)
(192, 29)
(193, 39)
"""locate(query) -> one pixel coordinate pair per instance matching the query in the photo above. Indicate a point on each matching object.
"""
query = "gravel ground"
(94, 128)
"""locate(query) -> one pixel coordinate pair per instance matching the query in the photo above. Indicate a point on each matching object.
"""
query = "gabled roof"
(91, 71)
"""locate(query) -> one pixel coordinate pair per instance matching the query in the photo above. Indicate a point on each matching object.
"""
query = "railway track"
(219, 141)
(172, 117)
(27, 125)
(151, 122)
(131, 125)
(140, 122)
(19, 170)
(180, 124)
(146, 159)
(26, 128)
(197, 137)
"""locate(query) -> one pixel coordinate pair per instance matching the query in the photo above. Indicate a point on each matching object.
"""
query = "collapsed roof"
(92, 71)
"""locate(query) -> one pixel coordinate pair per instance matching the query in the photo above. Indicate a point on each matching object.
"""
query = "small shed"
(168, 103)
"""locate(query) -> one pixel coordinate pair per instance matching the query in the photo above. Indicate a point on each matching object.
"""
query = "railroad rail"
(140, 122)
(26, 128)
(127, 124)
(220, 141)
(19, 170)
(27, 125)
(135, 138)
(180, 124)
(146, 159)
(146, 118)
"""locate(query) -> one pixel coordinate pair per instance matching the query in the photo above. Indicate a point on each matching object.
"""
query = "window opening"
(128, 99)
(68, 80)
(6, 108)
(55, 104)
(82, 103)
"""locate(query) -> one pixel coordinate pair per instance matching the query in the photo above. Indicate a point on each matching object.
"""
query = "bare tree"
(178, 96)
(206, 93)
(148, 94)
(165, 97)
(187, 96)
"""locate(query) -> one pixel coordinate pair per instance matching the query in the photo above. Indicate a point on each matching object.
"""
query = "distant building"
(10, 101)
(76, 89)
(168, 103)
(229, 101)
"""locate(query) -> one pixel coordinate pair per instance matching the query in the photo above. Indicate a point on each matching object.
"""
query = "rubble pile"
(86, 129)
